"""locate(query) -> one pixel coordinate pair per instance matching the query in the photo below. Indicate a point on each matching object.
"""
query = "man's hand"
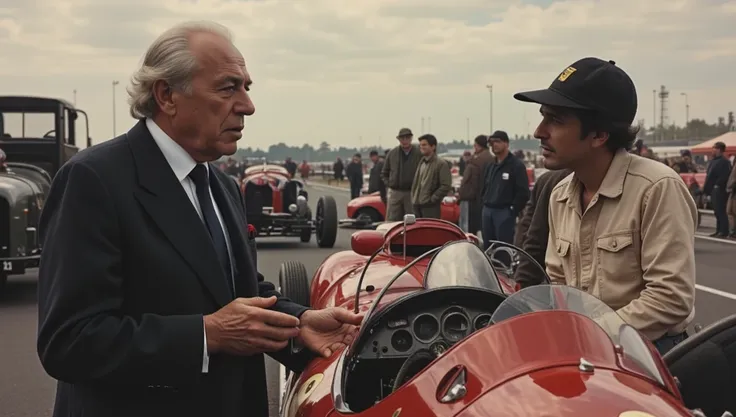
(325, 331)
(246, 327)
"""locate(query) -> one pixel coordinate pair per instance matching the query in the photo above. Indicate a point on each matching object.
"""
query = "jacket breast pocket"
(562, 263)
(618, 267)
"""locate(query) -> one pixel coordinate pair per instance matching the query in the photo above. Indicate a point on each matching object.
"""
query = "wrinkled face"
(425, 148)
(560, 136)
(209, 121)
(405, 141)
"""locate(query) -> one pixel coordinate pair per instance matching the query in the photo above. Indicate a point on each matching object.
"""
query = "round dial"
(481, 321)
(426, 327)
(455, 326)
(401, 340)
(438, 348)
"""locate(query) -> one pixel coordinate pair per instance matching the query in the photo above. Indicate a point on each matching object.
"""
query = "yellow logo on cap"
(566, 74)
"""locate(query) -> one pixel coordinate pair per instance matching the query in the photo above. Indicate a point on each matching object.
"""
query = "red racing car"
(277, 206)
(445, 334)
(367, 211)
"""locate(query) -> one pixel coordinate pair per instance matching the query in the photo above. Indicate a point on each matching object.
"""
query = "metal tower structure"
(664, 96)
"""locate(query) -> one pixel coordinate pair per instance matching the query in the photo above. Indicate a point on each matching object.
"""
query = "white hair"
(169, 59)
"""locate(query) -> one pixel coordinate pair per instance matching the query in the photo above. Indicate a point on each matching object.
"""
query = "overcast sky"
(336, 70)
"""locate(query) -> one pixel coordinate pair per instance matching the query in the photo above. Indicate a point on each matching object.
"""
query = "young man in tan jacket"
(622, 227)
(432, 181)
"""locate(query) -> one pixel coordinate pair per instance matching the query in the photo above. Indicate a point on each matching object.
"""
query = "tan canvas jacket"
(633, 248)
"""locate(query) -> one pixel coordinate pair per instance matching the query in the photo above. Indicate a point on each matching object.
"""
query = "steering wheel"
(413, 365)
(49, 133)
(509, 268)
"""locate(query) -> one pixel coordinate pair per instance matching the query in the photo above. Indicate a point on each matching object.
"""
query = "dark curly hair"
(619, 136)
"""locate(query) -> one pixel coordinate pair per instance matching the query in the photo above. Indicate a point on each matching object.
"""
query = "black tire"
(370, 212)
(3, 284)
(326, 222)
(306, 234)
(294, 282)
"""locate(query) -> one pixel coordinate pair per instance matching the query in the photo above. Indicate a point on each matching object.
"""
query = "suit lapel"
(165, 200)
(235, 225)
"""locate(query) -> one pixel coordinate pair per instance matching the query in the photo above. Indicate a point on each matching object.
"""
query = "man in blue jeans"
(505, 192)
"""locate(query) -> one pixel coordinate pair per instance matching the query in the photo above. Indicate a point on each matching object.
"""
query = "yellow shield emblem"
(566, 74)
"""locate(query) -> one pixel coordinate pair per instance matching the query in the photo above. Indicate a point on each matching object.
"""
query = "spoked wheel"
(326, 222)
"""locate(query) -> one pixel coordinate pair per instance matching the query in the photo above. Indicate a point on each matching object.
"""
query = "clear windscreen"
(635, 353)
(461, 264)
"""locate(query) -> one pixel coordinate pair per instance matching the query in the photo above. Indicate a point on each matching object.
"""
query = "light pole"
(467, 129)
(687, 113)
(114, 130)
(490, 91)
(654, 111)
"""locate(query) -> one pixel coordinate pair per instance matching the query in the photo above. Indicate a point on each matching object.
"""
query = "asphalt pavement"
(26, 390)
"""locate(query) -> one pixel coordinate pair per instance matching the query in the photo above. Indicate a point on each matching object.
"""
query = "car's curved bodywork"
(277, 205)
(368, 211)
(37, 136)
(445, 335)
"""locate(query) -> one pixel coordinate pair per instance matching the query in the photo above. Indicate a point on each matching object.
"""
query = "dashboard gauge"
(455, 326)
(395, 324)
(481, 321)
(426, 327)
(438, 348)
(401, 340)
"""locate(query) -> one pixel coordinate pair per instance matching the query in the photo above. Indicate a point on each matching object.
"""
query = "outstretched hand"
(328, 330)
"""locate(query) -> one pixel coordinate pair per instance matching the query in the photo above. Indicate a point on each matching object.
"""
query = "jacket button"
(614, 243)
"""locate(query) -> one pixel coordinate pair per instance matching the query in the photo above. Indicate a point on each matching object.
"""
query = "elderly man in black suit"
(150, 303)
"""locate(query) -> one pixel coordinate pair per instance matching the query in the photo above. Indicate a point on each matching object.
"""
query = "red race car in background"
(368, 210)
(278, 206)
(445, 335)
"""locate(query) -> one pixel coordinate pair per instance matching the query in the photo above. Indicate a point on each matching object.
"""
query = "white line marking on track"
(714, 291)
(331, 187)
(282, 386)
(715, 239)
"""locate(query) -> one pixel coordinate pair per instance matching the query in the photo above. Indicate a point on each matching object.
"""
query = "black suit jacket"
(533, 229)
(126, 275)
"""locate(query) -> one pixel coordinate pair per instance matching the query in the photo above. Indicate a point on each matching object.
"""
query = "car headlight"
(301, 200)
(293, 208)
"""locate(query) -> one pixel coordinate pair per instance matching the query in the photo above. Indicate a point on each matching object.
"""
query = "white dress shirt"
(182, 164)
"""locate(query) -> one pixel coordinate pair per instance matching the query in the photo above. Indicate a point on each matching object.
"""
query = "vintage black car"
(276, 205)
(37, 136)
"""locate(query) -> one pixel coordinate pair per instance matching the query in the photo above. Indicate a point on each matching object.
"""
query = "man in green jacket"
(398, 174)
(432, 181)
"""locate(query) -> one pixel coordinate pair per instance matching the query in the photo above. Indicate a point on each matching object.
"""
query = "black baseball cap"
(591, 84)
(500, 135)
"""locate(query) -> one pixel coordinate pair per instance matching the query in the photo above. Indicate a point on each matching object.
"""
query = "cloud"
(386, 60)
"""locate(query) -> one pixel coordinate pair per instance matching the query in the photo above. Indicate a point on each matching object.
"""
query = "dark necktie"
(199, 176)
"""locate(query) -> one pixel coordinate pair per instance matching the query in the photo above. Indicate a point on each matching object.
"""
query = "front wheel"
(326, 222)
